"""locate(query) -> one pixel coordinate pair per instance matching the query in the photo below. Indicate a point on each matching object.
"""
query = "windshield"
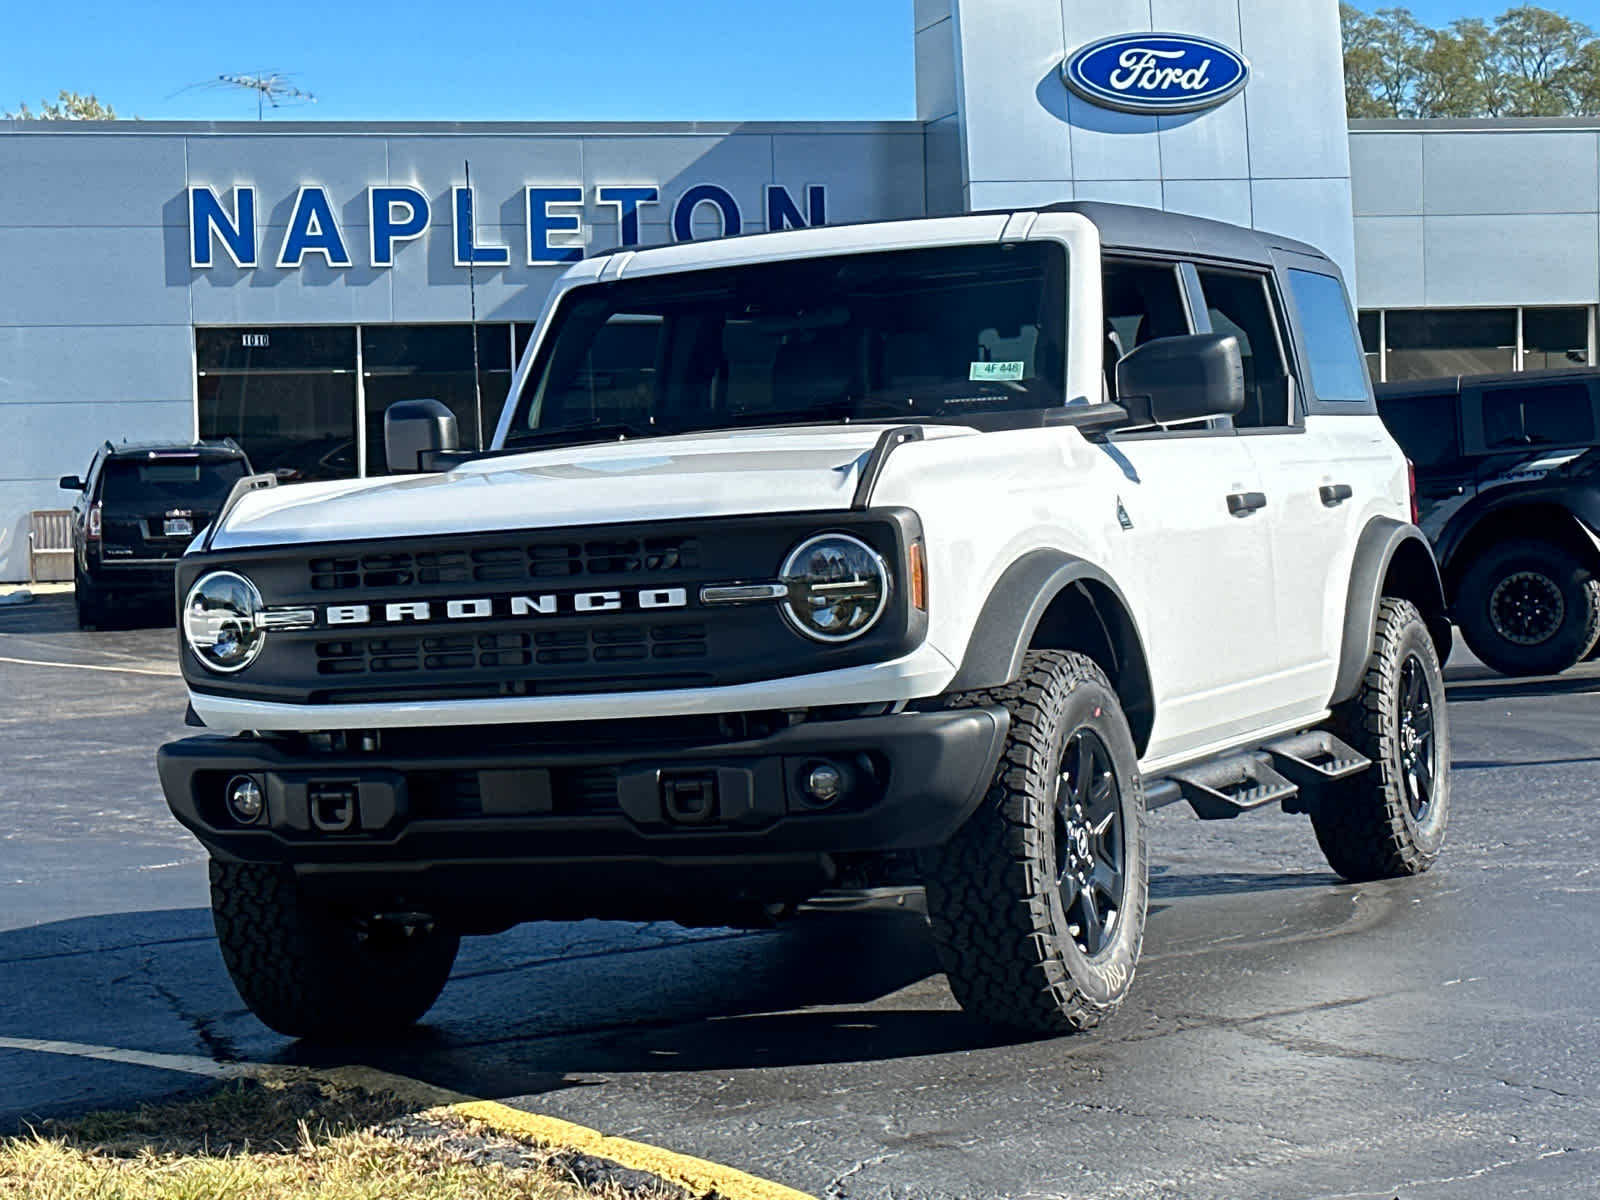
(945, 333)
(180, 479)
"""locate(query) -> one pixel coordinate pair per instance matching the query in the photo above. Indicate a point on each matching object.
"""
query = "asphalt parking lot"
(1288, 1035)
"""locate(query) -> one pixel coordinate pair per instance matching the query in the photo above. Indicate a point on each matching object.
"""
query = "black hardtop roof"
(1130, 227)
(142, 449)
(1406, 389)
(1123, 227)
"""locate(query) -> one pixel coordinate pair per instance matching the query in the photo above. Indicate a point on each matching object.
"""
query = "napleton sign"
(553, 217)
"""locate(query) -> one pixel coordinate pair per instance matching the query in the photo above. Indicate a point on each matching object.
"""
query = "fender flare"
(1581, 504)
(1381, 542)
(1011, 615)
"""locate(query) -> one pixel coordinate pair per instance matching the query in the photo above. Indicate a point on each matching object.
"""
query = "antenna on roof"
(271, 88)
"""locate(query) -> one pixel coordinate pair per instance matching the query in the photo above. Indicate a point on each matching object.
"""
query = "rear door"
(153, 504)
(1329, 469)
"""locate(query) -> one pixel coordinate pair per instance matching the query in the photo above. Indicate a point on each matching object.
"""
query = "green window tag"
(996, 370)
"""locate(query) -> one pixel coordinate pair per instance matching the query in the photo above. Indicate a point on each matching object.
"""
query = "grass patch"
(294, 1137)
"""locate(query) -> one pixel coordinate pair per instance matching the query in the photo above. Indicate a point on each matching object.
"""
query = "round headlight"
(838, 587)
(219, 621)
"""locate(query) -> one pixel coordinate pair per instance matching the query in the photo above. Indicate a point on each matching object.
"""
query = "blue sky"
(552, 60)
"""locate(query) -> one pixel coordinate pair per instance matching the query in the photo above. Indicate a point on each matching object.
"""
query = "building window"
(1555, 339)
(436, 362)
(306, 402)
(1428, 343)
(1372, 343)
(287, 395)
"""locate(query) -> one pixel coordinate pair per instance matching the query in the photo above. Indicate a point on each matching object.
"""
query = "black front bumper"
(590, 828)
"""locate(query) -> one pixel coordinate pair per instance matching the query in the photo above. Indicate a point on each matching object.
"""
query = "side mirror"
(414, 430)
(1179, 379)
(71, 483)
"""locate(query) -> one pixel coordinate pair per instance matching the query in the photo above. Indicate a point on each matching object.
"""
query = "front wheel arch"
(1050, 600)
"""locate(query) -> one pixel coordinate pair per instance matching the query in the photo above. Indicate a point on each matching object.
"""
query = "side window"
(1143, 301)
(1560, 415)
(1338, 371)
(1241, 304)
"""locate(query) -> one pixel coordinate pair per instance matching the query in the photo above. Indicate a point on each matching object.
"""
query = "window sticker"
(995, 371)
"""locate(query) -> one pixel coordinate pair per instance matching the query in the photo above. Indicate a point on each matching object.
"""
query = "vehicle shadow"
(85, 1003)
(54, 612)
(1495, 687)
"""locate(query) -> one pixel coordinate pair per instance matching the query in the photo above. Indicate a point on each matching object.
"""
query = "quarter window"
(1337, 370)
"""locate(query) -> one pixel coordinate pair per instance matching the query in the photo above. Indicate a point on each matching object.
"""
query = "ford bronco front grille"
(553, 648)
(542, 560)
(574, 611)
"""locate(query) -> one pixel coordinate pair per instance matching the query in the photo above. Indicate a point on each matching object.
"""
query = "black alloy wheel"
(1526, 608)
(1090, 847)
(1419, 749)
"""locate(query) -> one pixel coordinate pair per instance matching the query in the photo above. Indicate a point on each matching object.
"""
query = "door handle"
(1242, 504)
(1334, 494)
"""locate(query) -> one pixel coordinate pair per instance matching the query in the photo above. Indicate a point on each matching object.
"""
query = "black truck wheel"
(87, 600)
(1038, 902)
(310, 971)
(1390, 820)
(1529, 608)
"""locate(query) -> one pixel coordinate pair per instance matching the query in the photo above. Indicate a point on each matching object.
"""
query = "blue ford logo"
(1156, 73)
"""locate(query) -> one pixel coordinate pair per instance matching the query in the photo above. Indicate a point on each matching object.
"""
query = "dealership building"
(282, 283)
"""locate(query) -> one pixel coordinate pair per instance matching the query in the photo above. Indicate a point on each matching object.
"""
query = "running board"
(1226, 787)
(1312, 761)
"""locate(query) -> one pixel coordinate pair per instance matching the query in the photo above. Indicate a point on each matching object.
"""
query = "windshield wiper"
(581, 431)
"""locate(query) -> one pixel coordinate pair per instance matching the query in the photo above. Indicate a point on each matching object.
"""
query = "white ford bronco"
(923, 552)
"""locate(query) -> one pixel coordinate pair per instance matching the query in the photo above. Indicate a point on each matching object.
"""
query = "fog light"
(824, 783)
(245, 799)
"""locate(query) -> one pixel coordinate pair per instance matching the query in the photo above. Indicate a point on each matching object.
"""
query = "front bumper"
(543, 828)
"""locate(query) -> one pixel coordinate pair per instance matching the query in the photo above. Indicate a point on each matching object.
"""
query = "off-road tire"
(1369, 826)
(320, 973)
(999, 919)
(1566, 573)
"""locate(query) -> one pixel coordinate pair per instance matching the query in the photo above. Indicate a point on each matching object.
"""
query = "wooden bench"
(50, 545)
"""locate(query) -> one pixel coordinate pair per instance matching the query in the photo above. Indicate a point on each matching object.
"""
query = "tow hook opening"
(689, 798)
(333, 805)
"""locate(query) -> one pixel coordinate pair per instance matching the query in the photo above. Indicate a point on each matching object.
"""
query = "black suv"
(1508, 487)
(138, 507)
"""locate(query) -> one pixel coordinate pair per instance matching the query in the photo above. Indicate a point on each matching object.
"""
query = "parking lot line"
(188, 1064)
(66, 666)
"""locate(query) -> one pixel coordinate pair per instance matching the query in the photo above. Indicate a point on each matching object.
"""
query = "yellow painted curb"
(696, 1174)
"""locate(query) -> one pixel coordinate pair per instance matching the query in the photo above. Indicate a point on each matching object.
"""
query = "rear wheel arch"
(1051, 600)
(1542, 520)
(1392, 560)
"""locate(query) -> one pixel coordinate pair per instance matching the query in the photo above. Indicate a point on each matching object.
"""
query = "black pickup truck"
(1508, 490)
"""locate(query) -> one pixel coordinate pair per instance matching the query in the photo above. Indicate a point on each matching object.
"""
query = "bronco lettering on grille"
(477, 608)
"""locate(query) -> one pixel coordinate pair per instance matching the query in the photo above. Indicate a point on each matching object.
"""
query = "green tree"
(1530, 62)
(1534, 49)
(67, 106)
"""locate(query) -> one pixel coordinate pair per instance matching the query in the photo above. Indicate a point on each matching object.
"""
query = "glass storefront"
(307, 403)
(1426, 343)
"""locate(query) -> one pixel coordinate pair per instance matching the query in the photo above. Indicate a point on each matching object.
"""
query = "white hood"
(691, 475)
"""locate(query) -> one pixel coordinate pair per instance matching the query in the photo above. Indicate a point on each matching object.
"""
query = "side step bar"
(1293, 772)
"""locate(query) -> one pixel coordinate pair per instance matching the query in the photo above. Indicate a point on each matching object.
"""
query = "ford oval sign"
(1156, 73)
